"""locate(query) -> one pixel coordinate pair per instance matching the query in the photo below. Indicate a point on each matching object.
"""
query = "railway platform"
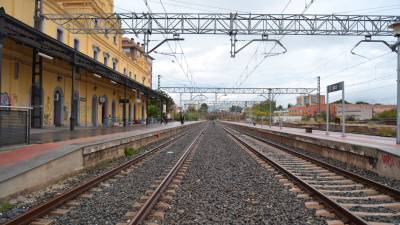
(53, 159)
(378, 154)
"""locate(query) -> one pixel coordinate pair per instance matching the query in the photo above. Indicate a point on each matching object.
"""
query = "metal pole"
(180, 100)
(161, 110)
(124, 104)
(159, 82)
(28, 120)
(1, 53)
(147, 108)
(270, 109)
(343, 114)
(327, 112)
(398, 93)
(73, 108)
(318, 95)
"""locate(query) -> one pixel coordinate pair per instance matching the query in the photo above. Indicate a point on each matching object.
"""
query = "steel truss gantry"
(224, 103)
(226, 23)
(232, 24)
(247, 91)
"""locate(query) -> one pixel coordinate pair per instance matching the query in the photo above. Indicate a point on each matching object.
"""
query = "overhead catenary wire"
(185, 71)
(307, 6)
(189, 73)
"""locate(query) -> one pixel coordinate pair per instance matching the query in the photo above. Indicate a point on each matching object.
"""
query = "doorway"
(104, 111)
(130, 113)
(113, 109)
(58, 106)
(77, 107)
(94, 111)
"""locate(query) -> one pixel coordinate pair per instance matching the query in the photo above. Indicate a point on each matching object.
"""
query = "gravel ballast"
(24, 202)
(118, 197)
(225, 185)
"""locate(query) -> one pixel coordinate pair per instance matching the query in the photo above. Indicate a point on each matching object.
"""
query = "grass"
(130, 151)
(5, 206)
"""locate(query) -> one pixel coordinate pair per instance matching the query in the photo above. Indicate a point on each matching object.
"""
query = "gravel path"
(117, 198)
(26, 201)
(224, 185)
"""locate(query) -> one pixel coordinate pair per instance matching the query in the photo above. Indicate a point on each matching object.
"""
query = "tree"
(362, 103)
(340, 102)
(191, 109)
(262, 108)
(203, 108)
(236, 108)
(289, 105)
(280, 108)
(154, 111)
(154, 104)
(386, 115)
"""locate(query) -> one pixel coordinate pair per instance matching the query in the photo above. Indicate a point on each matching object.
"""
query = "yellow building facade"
(98, 100)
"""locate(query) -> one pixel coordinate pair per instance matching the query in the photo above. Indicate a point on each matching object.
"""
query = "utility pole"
(396, 30)
(159, 82)
(270, 109)
(398, 90)
(318, 95)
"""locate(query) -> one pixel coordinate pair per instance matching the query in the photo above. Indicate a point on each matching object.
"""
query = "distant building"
(310, 110)
(309, 100)
(284, 116)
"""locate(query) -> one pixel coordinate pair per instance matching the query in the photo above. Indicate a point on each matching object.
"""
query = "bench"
(308, 129)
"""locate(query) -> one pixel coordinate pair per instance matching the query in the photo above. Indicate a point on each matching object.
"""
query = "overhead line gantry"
(244, 24)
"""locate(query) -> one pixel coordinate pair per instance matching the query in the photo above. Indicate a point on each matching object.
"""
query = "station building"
(42, 63)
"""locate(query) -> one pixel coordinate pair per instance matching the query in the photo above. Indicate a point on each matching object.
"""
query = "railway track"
(352, 198)
(148, 206)
(35, 214)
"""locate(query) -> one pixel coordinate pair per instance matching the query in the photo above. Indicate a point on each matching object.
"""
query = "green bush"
(130, 151)
(5, 206)
(386, 132)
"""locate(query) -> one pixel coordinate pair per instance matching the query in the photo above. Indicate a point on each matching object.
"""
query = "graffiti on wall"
(5, 99)
(388, 160)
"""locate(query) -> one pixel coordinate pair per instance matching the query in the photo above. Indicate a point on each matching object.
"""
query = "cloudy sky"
(207, 63)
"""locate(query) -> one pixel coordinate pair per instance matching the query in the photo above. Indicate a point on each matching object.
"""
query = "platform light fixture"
(113, 82)
(96, 75)
(45, 56)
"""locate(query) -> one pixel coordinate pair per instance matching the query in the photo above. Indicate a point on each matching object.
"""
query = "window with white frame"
(60, 34)
(114, 63)
(96, 52)
(106, 56)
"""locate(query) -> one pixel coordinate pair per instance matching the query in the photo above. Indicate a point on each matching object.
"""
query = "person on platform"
(182, 118)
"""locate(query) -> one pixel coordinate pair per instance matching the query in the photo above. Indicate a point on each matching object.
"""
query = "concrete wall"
(373, 159)
(80, 158)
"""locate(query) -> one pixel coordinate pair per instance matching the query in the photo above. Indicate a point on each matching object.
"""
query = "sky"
(206, 60)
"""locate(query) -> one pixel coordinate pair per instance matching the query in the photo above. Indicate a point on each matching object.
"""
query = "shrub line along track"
(345, 214)
(61, 199)
(147, 207)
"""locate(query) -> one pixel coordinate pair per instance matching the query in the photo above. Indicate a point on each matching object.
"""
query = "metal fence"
(14, 125)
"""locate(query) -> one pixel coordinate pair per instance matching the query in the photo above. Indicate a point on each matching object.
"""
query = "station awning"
(26, 35)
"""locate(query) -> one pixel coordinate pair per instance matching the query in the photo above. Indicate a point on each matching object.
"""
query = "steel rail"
(144, 211)
(394, 193)
(42, 209)
(340, 211)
